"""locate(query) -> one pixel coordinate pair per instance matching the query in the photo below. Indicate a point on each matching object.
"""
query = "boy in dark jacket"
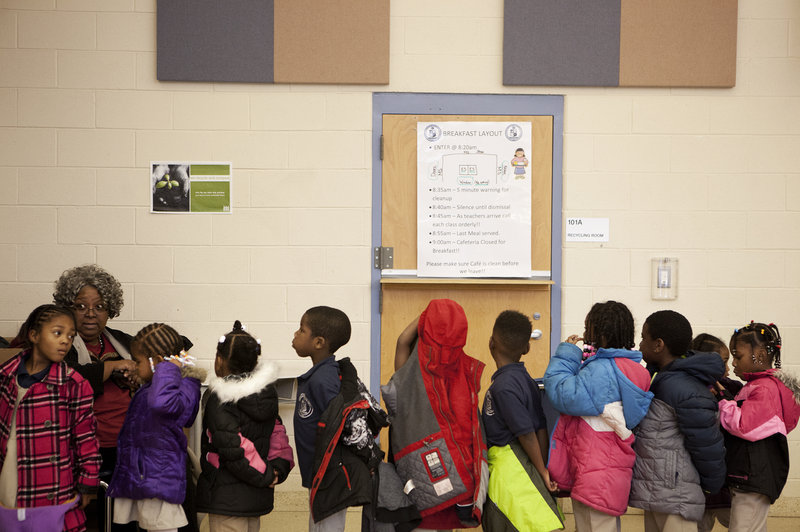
(680, 454)
(322, 331)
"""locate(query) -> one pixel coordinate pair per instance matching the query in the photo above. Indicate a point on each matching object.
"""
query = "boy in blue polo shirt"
(516, 433)
(322, 331)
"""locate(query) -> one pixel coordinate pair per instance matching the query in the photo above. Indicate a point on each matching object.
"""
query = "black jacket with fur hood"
(240, 412)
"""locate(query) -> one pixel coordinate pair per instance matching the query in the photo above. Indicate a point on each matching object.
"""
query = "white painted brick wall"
(709, 176)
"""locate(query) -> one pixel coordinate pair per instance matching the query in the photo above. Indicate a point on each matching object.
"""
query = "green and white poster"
(190, 186)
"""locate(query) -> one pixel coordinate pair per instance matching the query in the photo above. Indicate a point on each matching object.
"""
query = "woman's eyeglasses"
(80, 308)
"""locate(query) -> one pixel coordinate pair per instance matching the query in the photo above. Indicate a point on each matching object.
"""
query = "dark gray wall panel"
(214, 40)
(561, 42)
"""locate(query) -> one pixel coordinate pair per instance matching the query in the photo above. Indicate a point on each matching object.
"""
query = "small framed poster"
(190, 187)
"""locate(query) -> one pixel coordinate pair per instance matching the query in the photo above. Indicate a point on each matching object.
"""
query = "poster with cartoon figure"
(519, 162)
(190, 187)
(473, 199)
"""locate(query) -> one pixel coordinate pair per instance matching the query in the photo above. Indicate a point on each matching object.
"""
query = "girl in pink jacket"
(602, 393)
(756, 424)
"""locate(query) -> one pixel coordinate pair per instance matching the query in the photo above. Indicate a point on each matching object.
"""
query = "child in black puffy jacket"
(245, 451)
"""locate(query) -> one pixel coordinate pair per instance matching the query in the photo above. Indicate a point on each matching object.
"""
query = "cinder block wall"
(709, 176)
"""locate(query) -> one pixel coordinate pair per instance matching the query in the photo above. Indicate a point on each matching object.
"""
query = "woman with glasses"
(102, 356)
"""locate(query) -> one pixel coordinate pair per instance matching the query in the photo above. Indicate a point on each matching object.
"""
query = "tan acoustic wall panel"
(332, 41)
(625, 43)
(678, 43)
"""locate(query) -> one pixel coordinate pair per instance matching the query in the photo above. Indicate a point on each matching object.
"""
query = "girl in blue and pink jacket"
(149, 481)
(756, 424)
(601, 393)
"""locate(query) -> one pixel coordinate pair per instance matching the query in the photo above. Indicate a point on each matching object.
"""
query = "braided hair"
(612, 323)
(760, 335)
(37, 319)
(158, 339)
(239, 349)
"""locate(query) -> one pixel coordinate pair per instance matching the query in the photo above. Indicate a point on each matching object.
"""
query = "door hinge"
(383, 258)
(381, 149)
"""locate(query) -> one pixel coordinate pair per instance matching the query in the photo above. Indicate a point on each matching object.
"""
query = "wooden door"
(403, 298)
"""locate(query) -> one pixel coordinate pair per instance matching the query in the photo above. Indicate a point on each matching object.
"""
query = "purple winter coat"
(151, 450)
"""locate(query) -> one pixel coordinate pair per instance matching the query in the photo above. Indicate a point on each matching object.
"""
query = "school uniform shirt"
(512, 406)
(315, 389)
(56, 446)
(518, 499)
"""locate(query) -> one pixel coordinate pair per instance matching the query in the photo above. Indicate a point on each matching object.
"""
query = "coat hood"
(708, 368)
(194, 372)
(443, 323)
(442, 332)
(791, 381)
(233, 388)
(633, 389)
(790, 396)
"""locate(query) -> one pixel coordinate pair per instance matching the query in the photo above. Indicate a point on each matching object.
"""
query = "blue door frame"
(465, 104)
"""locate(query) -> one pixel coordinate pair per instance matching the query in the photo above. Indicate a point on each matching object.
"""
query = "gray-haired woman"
(98, 352)
(101, 355)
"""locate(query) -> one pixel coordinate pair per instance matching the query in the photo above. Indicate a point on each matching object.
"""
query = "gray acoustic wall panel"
(214, 40)
(561, 42)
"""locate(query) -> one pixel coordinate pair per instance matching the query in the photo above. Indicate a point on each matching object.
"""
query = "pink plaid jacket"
(57, 451)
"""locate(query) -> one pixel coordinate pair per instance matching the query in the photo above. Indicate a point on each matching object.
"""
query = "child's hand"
(573, 339)
(549, 483)
(275, 480)
(86, 498)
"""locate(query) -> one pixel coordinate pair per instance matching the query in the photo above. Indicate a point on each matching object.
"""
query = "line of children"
(621, 439)
(680, 456)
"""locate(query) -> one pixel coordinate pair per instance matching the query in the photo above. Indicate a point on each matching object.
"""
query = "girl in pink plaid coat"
(49, 457)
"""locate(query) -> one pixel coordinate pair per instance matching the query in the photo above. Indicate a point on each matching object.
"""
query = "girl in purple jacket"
(149, 482)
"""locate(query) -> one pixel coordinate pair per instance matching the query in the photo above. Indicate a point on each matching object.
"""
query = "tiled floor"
(291, 515)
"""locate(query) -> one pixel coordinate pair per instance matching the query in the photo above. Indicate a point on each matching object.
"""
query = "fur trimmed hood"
(791, 381)
(233, 388)
(194, 372)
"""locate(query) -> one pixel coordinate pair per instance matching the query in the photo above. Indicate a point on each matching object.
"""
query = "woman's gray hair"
(72, 280)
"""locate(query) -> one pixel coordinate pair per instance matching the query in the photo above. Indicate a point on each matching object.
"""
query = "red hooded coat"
(439, 446)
